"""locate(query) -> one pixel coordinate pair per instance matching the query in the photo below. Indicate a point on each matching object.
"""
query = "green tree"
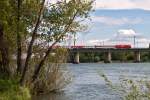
(23, 22)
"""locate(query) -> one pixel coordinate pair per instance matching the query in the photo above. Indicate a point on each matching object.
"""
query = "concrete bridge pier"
(137, 56)
(108, 57)
(77, 58)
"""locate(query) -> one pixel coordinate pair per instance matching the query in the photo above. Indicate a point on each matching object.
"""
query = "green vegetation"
(130, 89)
(10, 90)
(119, 56)
(29, 31)
(54, 75)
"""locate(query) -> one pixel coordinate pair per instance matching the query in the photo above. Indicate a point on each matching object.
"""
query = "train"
(120, 46)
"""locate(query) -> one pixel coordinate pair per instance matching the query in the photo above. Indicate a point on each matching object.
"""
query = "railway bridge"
(108, 52)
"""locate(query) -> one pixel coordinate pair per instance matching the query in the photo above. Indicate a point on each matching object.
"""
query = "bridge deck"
(108, 49)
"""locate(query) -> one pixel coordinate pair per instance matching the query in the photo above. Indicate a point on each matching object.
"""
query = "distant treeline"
(116, 56)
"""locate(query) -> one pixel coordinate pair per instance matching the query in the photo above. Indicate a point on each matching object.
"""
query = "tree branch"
(29, 52)
(37, 70)
(19, 48)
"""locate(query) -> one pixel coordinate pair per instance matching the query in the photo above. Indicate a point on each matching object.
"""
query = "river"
(89, 85)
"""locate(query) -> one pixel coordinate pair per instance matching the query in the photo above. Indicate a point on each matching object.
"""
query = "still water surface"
(89, 85)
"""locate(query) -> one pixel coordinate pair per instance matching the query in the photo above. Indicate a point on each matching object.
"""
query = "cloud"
(129, 36)
(123, 36)
(126, 33)
(116, 21)
(93, 41)
(143, 40)
(123, 4)
(117, 4)
(96, 42)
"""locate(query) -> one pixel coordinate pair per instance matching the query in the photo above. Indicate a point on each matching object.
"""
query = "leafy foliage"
(39, 27)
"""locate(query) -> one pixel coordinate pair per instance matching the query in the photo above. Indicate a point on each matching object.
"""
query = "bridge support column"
(108, 57)
(77, 58)
(137, 56)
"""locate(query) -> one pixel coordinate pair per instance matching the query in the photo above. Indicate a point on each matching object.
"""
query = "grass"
(53, 77)
(130, 89)
(10, 90)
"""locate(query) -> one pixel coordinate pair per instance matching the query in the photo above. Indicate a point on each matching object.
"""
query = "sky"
(118, 22)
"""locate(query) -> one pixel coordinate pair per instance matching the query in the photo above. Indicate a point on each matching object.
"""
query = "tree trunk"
(4, 67)
(38, 68)
(29, 52)
(19, 49)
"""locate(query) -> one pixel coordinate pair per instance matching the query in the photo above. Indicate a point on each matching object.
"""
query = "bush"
(130, 89)
(54, 75)
(10, 90)
(135, 90)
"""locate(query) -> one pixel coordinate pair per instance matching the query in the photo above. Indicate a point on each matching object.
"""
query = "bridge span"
(108, 51)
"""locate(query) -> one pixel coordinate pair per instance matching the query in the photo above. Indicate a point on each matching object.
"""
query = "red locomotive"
(123, 46)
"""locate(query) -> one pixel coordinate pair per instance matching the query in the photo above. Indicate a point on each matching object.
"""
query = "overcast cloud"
(116, 21)
(123, 4)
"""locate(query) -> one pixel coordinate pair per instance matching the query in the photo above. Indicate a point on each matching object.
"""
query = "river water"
(89, 85)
